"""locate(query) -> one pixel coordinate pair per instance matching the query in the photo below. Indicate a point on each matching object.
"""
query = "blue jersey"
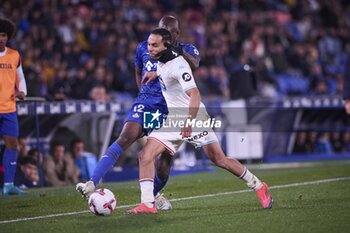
(150, 98)
(144, 62)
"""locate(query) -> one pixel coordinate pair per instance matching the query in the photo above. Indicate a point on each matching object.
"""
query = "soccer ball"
(102, 202)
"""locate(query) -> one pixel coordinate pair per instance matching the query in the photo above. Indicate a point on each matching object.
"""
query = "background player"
(180, 92)
(12, 86)
(150, 99)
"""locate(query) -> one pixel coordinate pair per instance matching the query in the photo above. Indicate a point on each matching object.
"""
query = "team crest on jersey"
(149, 65)
(186, 77)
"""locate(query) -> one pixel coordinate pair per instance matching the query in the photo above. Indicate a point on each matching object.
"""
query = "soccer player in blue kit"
(149, 99)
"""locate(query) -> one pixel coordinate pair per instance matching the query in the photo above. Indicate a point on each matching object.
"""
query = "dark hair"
(29, 160)
(75, 141)
(55, 144)
(169, 21)
(32, 152)
(8, 27)
(164, 33)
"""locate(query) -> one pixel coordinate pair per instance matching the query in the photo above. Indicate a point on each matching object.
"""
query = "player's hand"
(20, 95)
(148, 77)
(186, 132)
(347, 106)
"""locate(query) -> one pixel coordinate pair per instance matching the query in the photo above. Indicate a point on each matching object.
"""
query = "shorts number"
(139, 108)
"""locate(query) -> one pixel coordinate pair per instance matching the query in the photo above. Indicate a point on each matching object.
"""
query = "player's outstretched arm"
(192, 60)
(149, 76)
(195, 101)
(20, 95)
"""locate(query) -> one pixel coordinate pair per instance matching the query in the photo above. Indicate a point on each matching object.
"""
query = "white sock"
(252, 181)
(147, 197)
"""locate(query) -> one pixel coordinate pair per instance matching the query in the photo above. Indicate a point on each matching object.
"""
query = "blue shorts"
(142, 110)
(9, 124)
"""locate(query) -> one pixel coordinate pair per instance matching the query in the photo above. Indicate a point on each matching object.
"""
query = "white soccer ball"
(102, 202)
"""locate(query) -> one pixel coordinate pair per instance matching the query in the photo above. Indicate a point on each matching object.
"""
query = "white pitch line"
(184, 199)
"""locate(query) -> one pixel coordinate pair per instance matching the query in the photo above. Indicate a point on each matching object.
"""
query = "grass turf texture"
(309, 208)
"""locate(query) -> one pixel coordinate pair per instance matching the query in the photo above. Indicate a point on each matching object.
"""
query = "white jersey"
(176, 78)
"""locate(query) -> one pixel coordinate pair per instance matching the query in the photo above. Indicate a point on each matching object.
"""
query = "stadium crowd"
(81, 49)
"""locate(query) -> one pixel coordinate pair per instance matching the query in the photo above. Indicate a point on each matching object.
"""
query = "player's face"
(3, 40)
(155, 45)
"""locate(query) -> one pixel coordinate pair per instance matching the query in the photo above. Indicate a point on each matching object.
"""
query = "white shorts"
(173, 140)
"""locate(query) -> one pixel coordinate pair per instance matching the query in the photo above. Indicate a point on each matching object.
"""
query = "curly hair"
(8, 27)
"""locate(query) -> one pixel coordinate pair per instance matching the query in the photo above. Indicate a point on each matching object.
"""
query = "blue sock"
(159, 184)
(106, 162)
(9, 162)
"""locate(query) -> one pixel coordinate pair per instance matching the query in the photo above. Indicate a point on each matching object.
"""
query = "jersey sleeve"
(138, 57)
(191, 50)
(20, 81)
(184, 75)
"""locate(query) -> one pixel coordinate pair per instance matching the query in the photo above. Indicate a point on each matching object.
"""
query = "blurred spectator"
(301, 145)
(84, 160)
(346, 86)
(311, 141)
(27, 174)
(22, 148)
(59, 169)
(321, 87)
(202, 79)
(346, 141)
(242, 83)
(33, 153)
(99, 93)
(337, 143)
(279, 60)
(323, 144)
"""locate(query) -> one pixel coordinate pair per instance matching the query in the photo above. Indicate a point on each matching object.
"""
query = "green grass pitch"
(298, 206)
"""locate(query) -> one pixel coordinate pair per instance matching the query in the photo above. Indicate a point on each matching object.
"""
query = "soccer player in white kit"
(180, 92)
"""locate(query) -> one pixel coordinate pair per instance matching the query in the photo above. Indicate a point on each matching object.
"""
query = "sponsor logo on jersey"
(186, 77)
(149, 65)
(5, 66)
